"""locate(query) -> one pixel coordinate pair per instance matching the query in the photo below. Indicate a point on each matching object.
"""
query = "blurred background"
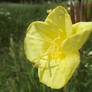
(17, 74)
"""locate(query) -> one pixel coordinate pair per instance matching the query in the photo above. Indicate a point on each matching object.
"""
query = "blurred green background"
(16, 73)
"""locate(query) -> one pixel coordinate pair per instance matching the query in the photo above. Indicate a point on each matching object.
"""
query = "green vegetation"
(16, 73)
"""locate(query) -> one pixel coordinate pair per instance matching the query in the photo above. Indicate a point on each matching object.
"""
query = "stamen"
(52, 53)
(49, 67)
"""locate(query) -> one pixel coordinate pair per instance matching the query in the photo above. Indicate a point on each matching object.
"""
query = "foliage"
(17, 74)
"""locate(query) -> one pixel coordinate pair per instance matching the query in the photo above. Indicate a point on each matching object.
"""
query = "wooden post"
(77, 7)
(72, 12)
(82, 11)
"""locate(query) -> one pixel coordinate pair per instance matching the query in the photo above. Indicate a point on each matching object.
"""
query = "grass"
(16, 73)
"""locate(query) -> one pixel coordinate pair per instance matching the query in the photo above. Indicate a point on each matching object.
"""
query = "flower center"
(54, 51)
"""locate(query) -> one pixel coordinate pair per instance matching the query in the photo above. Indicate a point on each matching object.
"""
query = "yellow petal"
(61, 71)
(60, 18)
(37, 40)
(81, 32)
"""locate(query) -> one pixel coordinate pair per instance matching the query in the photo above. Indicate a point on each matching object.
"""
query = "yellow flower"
(54, 46)
(48, 11)
(68, 9)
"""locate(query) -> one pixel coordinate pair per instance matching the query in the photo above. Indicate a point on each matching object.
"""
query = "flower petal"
(37, 40)
(81, 32)
(60, 18)
(61, 71)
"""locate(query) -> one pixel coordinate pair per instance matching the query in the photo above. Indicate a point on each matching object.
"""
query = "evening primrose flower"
(53, 45)
(68, 9)
(48, 11)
